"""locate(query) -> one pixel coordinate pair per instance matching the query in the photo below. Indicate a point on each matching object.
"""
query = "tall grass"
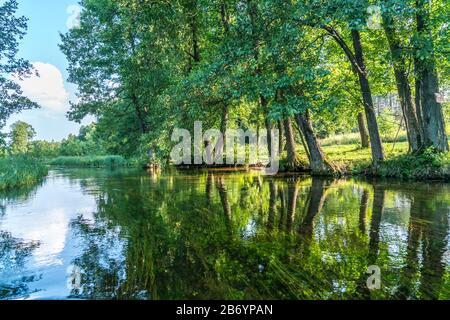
(90, 161)
(355, 138)
(18, 172)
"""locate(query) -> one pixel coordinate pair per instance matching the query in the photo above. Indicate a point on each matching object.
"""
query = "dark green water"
(100, 234)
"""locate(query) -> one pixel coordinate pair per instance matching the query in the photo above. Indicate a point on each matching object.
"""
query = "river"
(127, 234)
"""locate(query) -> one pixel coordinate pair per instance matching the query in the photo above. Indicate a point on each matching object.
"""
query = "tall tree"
(20, 135)
(319, 15)
(427, 82)
(399, 63)
(12, 29)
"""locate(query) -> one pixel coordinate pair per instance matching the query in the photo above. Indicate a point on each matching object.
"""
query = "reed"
(18, 172)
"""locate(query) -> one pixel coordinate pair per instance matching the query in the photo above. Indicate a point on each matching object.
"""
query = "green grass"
(429, 165)
(354, 138)
(352, 159)
(90, 161)
(16, 172)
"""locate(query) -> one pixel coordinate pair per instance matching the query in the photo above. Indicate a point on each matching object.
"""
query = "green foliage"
(428, 165)
(16, 172)
(3, 144)
(144, 68)
(85, 143)
(20, 135)
(12, 29)
(90, 161)
(388, 123)
(42, 149)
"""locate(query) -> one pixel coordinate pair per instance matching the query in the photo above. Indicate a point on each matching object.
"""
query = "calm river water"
(126, 234)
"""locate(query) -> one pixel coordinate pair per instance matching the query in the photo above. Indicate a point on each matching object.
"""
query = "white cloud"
(47, 89)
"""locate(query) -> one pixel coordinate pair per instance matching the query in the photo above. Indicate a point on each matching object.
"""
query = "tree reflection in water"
(13, 254)
(217, 235)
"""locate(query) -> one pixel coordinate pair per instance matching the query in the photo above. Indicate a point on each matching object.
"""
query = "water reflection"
(217, 235)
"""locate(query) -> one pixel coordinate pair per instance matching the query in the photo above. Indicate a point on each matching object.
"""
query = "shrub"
(90, 161)
(20, 171)
(428, 165)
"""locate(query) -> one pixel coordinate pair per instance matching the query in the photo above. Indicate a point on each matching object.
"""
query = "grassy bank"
(352, 159)
(91, 161)
(18, 172)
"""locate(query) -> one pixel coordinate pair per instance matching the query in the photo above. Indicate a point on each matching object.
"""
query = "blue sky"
(47, 18)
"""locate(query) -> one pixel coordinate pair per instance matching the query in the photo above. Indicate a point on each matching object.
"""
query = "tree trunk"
(281, 194)
(291, 160)
(223, 193)
(363, 211)
(209, 187)
(223, 128)
(364, 134)
(281, 137)
(404, 90)
(264, 104)
(195, 40)
(431, 110)
(292, 204)
(272, 204)
(356, 58)
(374, 234)
(139, 113)
(417, 96)
(313, 205)
(372, 125)
(409, 111)
(318, 161)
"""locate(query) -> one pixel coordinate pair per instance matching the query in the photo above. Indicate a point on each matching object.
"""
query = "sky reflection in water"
(102, 234)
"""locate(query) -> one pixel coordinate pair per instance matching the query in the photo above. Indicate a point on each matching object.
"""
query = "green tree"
(12, 29)
(20, 135)
(3, 145)
(44, 149)
(144, 68)
(427, 80)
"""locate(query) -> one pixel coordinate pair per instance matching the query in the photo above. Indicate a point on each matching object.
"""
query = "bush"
(20, 171)
(42, 149)
(90, 161)
(428, 165)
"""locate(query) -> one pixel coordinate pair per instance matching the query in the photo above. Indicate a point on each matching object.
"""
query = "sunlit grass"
(354, 138)
(398, 163)
(352, 156)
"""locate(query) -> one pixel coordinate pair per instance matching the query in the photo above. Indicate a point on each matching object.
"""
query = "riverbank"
(92, 161)
(354, 160)
(16, 172)
(344, 151)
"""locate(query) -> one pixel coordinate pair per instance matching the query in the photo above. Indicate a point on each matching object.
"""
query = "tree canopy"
(309, 68)
(12, 30)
